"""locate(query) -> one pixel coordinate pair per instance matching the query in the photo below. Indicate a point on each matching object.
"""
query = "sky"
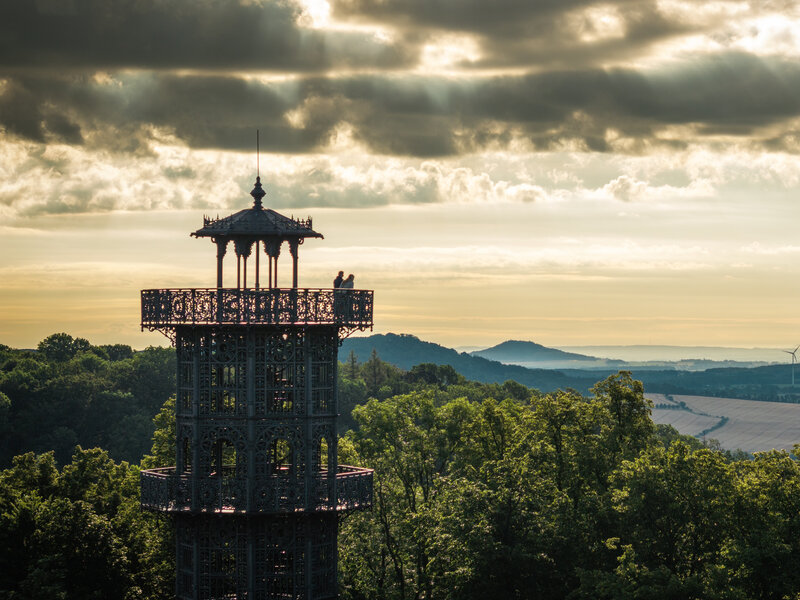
(563, 171)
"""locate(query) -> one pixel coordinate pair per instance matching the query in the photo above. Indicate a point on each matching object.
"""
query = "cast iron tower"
(256, 490)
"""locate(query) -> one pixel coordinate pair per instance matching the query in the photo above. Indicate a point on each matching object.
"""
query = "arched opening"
(186, 455)
(321, 457)
(225, 459)
(222, 575)
(280, 457)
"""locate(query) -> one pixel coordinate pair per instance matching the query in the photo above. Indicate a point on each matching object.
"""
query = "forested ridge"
(481, 490)
(69, 392)
(754, 383)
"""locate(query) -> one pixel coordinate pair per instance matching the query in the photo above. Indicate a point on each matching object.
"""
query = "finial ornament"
(258, 193)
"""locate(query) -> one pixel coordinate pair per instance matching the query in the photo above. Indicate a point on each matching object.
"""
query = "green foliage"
(375, 373)
(481, 490)
(79, 534)
(431, 374)
(352, 366)
(61, 346)
(560, 496)
(623, 397)
(70, 393)
(162, 454)
(352, 393)
(381, 380)
(666, 435)
(114, 352)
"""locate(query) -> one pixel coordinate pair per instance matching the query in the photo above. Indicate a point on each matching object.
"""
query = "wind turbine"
(794, 360)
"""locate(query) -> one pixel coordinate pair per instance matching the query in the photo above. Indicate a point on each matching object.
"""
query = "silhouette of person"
(348, 283)
(337, 283)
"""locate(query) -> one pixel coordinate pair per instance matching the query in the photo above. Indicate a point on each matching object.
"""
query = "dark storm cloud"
(523, 32)
(420, 116)
(188, 34)
(203, 111)
(731, 94)
(499, 17)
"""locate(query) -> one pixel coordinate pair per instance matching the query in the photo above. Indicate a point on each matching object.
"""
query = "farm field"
(751, 425)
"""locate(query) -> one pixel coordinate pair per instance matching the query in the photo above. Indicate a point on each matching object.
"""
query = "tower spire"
(258, 193)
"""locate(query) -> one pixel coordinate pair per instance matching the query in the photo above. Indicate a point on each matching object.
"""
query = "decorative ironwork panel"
(184, 445)
(215, 362)
(324, 360)
(185, 348)
(280, 372)
(345, 308)
(238, 557)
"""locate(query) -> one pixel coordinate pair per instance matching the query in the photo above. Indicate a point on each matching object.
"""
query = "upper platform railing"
(348, 309)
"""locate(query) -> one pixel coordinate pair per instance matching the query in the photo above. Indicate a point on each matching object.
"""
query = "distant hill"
(756, 383)
(536, 356)
(515, 351)
(661, 353)
(405, 351)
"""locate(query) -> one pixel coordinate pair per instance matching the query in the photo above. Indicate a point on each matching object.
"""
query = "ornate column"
(257, 268)
(222, 247)
(293, 245)
(244, 248)
(272, 248)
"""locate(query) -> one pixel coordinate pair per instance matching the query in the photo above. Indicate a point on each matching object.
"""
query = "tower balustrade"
(348, 309)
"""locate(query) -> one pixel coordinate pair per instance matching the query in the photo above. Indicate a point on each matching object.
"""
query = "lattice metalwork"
(254, 557)
(293, 368)
(348, 309)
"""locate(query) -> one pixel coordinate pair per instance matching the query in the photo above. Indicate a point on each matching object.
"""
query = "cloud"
(578, 33)
(625, 188)
(622, 110)
(66, 180)
(201, 34)
(771, 250)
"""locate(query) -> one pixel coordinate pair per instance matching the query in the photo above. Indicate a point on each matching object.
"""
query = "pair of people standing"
(341, 282)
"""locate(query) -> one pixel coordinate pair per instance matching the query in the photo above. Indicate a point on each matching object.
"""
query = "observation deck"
(165, 490)
(348, 309)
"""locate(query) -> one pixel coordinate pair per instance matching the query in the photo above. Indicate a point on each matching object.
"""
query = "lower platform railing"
(350, 488)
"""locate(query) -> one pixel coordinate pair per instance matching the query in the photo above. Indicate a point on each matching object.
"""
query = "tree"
(162, 453)
(116, 352)
(77, 555)
(432, 374)
(631, 425)
(765, 542)
(352, 365)
(374, 371)
(62, 346)
(80, 534)
(675, 508)
(352, 393)
(399, 438)
(149, 375)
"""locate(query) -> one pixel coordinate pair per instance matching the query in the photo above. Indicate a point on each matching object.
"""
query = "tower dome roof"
(256, 222)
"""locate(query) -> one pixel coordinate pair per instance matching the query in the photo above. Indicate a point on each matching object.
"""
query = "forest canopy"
(481, 490)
